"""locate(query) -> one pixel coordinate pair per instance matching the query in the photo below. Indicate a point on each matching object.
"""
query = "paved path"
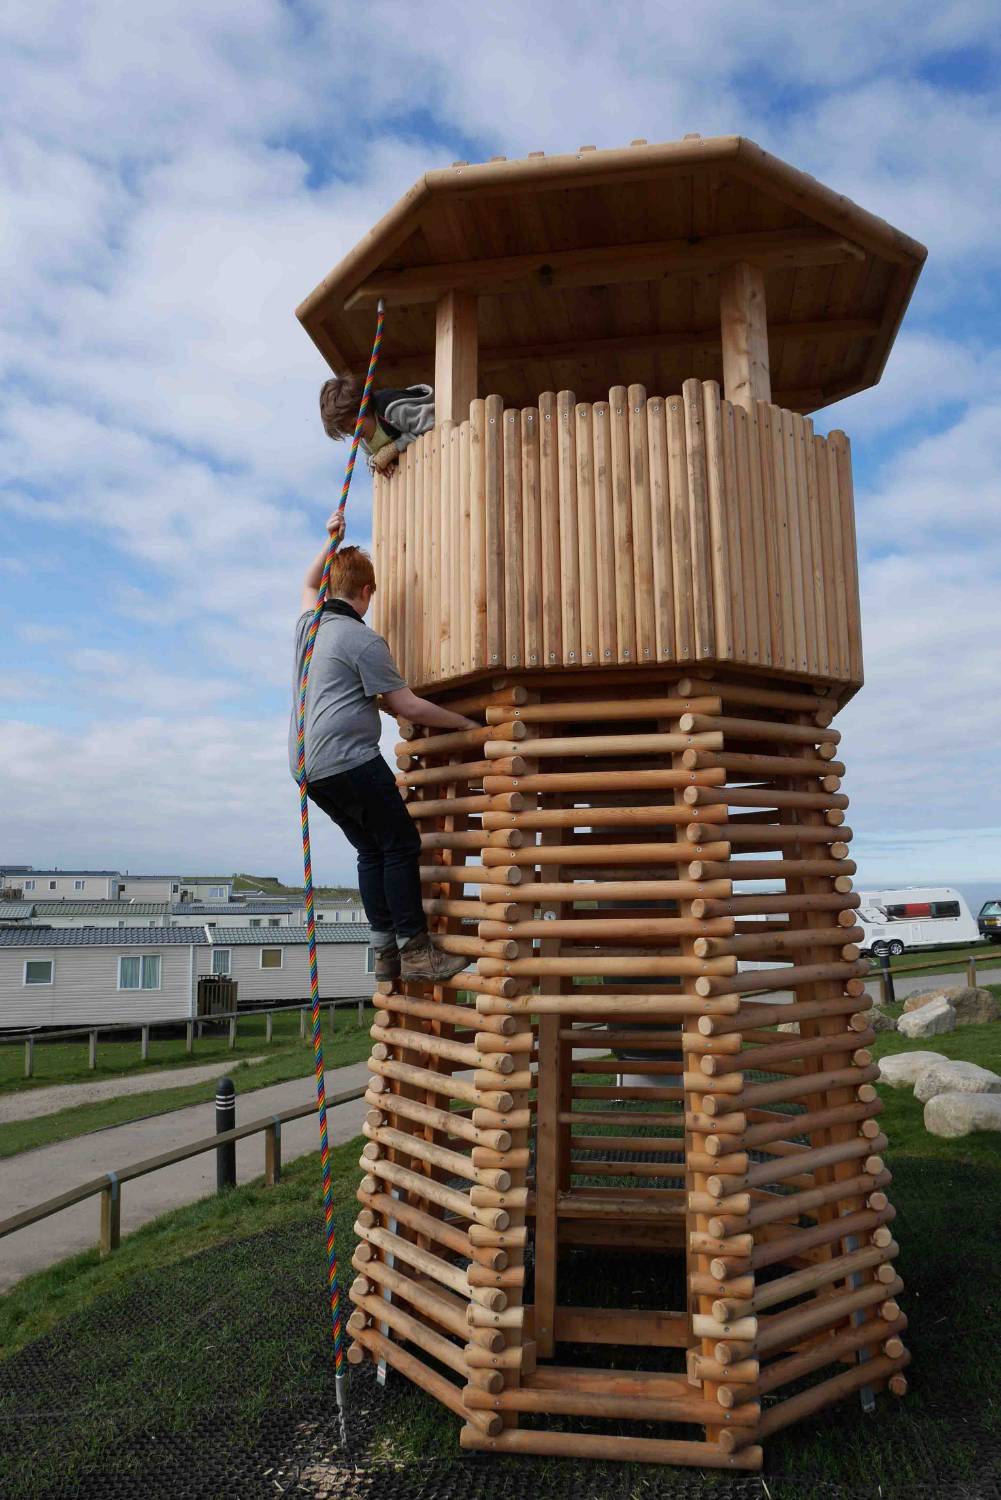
(37, 1175)
(31, 1103)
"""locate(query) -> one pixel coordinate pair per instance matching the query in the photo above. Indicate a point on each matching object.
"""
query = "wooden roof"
(602, 268)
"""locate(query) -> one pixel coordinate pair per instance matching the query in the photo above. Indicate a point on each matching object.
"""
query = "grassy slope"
(67, 1062)
(943, 961)
(270, 885)
(948, 1194)
(288, 1057)
(902, 1120)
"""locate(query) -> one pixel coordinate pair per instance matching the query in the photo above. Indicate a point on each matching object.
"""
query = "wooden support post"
(302, 1024)
(189, 1037)
(273, 1154)
(144, 1043)
(92, 1052)
(455, 357)
(111, 1215)
(746, 377)
(232, 1032)
(29, 1056)
(361, 1010)
(269, 1026)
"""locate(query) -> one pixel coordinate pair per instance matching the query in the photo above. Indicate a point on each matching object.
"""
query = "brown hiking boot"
(387, 963)
(421, 958)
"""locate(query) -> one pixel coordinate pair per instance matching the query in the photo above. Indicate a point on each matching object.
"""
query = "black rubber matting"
(227, 1390)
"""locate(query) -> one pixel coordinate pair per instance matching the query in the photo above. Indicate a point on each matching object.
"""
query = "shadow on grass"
(211, 1375)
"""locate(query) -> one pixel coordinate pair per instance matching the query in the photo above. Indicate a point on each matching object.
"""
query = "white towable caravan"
(914, 917)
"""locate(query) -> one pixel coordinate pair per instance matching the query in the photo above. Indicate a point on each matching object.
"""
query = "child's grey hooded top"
(405, 415)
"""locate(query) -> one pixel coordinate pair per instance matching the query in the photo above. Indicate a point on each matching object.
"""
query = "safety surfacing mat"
(214, 1377)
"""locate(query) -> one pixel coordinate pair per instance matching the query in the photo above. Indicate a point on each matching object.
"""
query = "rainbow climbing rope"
(336, 1311)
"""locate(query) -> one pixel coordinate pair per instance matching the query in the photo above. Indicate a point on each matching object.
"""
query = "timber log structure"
(625, 549)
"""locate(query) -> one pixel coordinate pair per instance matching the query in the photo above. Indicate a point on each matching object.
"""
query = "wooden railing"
(678, 529)
(885, 973)
(109, 1184)
(192, 1027)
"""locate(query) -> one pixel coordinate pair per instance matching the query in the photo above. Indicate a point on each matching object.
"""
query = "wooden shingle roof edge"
(746, 159)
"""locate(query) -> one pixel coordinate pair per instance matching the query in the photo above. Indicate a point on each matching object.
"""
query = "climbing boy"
(346, 776)
(396, 418)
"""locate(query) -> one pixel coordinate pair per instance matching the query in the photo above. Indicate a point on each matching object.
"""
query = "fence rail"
(109, 1184)
(192, 1027)
(885, 975)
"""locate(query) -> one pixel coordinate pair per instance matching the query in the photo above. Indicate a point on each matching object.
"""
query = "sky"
(175, 177)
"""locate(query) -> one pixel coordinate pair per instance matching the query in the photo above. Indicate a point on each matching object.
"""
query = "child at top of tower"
(394, 420)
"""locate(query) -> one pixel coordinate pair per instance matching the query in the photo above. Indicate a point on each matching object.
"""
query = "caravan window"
(221, 961)
(38, 970)
(913, 911)
(137, 972)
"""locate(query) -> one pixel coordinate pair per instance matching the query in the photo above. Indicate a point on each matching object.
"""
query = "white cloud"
(176, 177)
(927, 374)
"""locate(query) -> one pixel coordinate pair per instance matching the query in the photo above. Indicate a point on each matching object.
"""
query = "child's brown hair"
(339, 401)
(350, 570)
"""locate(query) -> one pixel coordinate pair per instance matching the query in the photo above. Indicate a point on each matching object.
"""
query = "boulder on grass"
(880, 1021)
(931, 1019)
(902, 1069)
(952, 1115)
(948, 1077)
(971, 1004)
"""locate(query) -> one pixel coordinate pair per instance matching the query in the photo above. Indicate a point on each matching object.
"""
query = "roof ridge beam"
(604, 265)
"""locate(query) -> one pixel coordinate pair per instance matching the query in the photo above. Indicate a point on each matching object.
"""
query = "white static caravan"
(69, 885)
(148, 888)
(123, 914)
(234, 914)
(328, 910)
(89, 976)
(204, 888)
(914, 917)
(272, 967)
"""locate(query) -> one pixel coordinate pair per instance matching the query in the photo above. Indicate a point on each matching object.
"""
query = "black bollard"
(886, 979)
(225, 1119)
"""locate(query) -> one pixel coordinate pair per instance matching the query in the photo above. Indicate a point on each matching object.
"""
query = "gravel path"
(49, 1101)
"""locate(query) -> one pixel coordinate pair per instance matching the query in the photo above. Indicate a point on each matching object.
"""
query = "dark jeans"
(368, 809)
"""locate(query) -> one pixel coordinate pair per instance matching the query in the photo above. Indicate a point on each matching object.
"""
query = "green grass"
(272, 886)
(162, 1356)
(147, 1345)
(67, 1062)
(37, 1303)
(946, 960)
(287, 1058)
(902, 1120)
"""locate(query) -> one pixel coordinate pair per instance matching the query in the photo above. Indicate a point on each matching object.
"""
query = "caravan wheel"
(896, 948)
(880, 949)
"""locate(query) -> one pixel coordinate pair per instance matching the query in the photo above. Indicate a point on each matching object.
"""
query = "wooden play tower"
(624, 1194)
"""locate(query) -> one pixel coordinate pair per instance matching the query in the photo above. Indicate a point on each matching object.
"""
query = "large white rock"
(952, 1115)
(948, 1077)
(902, 1068)
(935, 1017)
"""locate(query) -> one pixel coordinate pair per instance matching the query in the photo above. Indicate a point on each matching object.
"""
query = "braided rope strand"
(336, 1310)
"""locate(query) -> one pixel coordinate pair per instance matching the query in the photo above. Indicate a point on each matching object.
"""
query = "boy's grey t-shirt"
(351, 666)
